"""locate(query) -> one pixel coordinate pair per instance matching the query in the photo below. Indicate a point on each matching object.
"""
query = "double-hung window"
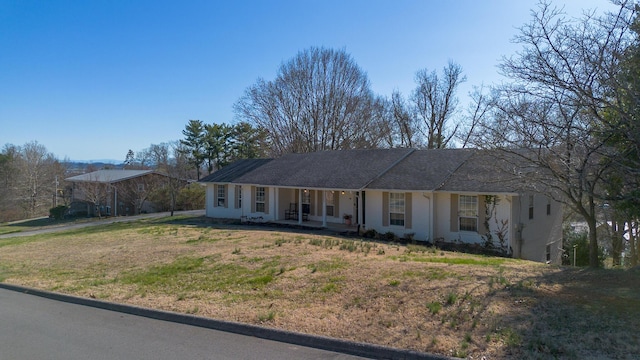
(221, 194)
(260, 198)
(396, 209)
(530, 207)
(306, 201)
(328, 195)
(468, 213)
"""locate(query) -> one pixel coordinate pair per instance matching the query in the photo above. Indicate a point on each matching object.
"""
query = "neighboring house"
(451, 195)
(113, 192)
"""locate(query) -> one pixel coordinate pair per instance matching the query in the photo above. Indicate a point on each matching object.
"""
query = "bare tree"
(94, 192)
(402, 128)
(477, 112)
(172, 160)
(320, 100)
(434, 102)
(35, 180)
(557, 104)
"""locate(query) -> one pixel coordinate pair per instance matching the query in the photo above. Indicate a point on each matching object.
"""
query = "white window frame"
(330, 204)
(468, 213)
(397, 202)
(261, 192)
(222, 192)
(306, 200)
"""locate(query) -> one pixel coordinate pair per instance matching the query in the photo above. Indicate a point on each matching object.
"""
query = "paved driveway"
(32, 327)
(106, 220)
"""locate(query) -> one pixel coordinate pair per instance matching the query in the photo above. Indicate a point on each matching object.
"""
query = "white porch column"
(300, 206)
(276, 212)
(359, 207)
(324, 208)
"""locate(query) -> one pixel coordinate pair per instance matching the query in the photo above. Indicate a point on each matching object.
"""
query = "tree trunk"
(633, 247)
(616, 243)
(593, 236)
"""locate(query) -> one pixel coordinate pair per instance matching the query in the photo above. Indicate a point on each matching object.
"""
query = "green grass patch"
(162, 274)
(328, 266)
(476, 260)
(434, 307)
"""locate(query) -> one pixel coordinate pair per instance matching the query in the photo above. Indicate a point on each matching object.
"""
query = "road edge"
(314, 341)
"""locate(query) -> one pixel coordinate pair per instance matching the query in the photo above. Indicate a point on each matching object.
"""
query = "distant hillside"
(83, 166)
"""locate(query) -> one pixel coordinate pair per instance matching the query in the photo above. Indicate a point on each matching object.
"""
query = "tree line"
(30, 180)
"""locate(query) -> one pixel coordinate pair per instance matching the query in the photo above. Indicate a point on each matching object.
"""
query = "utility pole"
(55, 194)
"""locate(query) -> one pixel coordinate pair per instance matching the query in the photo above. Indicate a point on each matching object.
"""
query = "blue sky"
(92, 79)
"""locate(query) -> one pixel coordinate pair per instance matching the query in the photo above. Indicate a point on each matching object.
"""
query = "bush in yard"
(580, 240)
(57, 212)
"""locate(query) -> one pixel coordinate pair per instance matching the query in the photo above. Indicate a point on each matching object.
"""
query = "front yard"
(400, 296)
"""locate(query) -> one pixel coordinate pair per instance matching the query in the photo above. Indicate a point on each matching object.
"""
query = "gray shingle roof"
(457, 170)
(234, 170)
(108, 176)
(422, 170)
(486, 171)
(345, 169)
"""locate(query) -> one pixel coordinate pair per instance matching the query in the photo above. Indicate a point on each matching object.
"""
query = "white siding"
(540, 231)
(221, 212)
(420, 215)
(443, 220)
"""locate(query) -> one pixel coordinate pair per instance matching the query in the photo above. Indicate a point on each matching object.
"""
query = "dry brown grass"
(401, 296)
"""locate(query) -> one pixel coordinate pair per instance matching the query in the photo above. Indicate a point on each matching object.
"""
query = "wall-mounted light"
(343, 193)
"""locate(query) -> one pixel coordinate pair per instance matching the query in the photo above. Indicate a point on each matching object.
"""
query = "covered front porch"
(321, 208)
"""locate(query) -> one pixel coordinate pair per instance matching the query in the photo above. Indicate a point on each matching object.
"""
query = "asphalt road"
(32, 327)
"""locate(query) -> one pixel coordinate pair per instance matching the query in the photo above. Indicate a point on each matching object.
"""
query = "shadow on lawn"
(575, 313)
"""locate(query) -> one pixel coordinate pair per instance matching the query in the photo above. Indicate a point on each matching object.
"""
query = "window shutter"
(407, 210)
(253, 199)
(215, 195)
(312, 198)
(385, 209)
(236, 196)
(266, 200)
(226, 195)
(482, 214)
(454, 213)
(336, 204)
